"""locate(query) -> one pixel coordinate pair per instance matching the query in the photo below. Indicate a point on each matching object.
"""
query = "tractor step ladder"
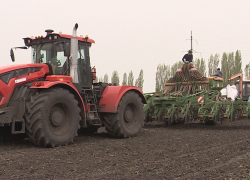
(91, 107)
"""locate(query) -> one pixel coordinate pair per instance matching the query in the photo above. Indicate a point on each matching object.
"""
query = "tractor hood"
(26, 68)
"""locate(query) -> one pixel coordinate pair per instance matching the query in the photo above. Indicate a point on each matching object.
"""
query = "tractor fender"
(63, 84)
(112, 95)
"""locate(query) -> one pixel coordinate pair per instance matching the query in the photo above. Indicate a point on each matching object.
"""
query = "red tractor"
(52, 98)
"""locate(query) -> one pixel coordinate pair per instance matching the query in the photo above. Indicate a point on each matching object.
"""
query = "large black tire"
(128, 119)
(52, 117)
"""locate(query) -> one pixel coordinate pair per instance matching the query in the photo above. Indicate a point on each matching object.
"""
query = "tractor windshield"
(52, 53)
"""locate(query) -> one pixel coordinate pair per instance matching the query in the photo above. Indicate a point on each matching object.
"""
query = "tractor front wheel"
(52, 117)
(128, 119)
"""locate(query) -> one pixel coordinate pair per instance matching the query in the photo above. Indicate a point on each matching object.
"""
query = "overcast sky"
(131, 34)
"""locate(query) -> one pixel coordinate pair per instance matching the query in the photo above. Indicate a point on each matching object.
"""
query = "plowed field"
(192, 151)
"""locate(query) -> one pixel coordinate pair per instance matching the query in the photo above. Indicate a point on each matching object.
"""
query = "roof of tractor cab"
(82, 39)
(79, 38)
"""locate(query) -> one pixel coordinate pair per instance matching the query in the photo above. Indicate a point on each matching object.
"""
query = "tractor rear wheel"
(128, 119)
(52, 117)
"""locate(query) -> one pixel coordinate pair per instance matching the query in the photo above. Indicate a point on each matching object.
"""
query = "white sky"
(131, 34)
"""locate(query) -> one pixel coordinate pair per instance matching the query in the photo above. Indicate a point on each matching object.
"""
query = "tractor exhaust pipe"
(73, 56)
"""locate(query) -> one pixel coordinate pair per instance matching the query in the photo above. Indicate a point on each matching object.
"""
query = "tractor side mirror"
(12, 55)
(67, 49)
(12, 52)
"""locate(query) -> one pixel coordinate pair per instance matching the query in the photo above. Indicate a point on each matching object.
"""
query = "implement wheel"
(233, 117)
(52, 117)
(128, 119)
(215, 120)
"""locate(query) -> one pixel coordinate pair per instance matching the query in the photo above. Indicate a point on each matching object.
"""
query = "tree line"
(127, 79)
(230, 64)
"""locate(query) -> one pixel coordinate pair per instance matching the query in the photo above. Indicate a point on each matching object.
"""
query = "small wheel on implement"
(182, 121)
(232, 117)
(214, 121)
(128, 119)
(167, 122)
(52, 117)
(174, 119)
(187, 119)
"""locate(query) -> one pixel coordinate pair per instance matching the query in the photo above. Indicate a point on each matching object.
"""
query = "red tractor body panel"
(7, 89)
(112, 95)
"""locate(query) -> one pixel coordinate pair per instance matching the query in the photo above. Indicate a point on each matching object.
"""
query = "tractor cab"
(56, 51)
(245, 89)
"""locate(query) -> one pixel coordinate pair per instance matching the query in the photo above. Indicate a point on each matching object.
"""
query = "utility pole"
(191, 39)
(191, 42)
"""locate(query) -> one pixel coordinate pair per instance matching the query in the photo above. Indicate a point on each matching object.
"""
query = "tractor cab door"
(83, 66)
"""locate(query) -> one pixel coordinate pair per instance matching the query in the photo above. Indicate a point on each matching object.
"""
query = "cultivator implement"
(189, 96)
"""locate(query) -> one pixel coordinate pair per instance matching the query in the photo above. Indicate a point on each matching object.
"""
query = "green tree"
(130, 78)
(247, 71)
(115, 78)
(225, 68)
(231, 64)
(125, 79)
(213, 64)
(163, 73)
(200, 65)
(106, 78)
(139, 82)
(237, 63)
(175, 66)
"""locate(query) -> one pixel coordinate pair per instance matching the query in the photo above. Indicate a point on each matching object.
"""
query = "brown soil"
(192, 151)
